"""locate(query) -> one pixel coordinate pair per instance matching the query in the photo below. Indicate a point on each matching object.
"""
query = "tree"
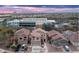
(48, 26)
(4, 22)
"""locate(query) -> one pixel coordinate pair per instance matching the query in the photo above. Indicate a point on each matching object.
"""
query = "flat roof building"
(26, 22)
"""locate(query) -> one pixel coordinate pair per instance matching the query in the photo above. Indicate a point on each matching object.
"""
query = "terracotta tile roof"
(55, 35)
(74, 37)
(39, 30)
(35, 34)
(22, 31)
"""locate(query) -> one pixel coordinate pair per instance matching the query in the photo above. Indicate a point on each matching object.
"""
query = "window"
(33, 37)
(44, 40)
(27, 24)
(37, 38)
(25, 37)
(20, 38)
(29, 41)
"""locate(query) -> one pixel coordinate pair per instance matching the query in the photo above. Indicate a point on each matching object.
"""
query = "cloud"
(52, 10)
(8, 9)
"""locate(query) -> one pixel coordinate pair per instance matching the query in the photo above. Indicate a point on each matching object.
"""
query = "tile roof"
(55, 35)
(35, 34)
(22, 31)
(74, 37)
(39, 30)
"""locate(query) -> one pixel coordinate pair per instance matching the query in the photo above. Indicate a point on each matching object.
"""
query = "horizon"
(39, 9)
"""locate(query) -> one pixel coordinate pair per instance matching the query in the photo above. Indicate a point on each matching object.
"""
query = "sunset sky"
(38, 8)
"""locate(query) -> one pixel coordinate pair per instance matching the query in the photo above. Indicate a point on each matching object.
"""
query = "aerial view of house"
(38, 29)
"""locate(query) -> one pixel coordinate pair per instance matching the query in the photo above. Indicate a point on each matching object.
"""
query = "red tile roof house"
(36, 42)
(12, 41)
(55, 35)
(42, 32)
(35, 39)
(74, 38)
(22, 35)
(38, 38)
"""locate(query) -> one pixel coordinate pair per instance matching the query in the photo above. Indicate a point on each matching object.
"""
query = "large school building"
(27, 22)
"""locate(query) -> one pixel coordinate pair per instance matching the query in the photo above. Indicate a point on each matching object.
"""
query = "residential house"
(38, 40)
(22, 35)
(42, 32)
(57, 40)
(74, 38)
(35, 39)
(39, 35)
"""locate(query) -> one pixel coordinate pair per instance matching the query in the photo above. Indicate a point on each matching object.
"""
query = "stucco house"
(42, 32)
(35, 39)
(38, 40)
(22, 35)
(39, 36)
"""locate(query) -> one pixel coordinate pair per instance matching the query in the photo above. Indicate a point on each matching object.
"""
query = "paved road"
(52, 49)
(46, 48)
(5, 51)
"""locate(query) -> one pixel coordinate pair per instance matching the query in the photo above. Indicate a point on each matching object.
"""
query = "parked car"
(66, 48)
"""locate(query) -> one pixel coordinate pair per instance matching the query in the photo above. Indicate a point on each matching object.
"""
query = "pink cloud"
(37, 9)
(6, 11)
(34, 9)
